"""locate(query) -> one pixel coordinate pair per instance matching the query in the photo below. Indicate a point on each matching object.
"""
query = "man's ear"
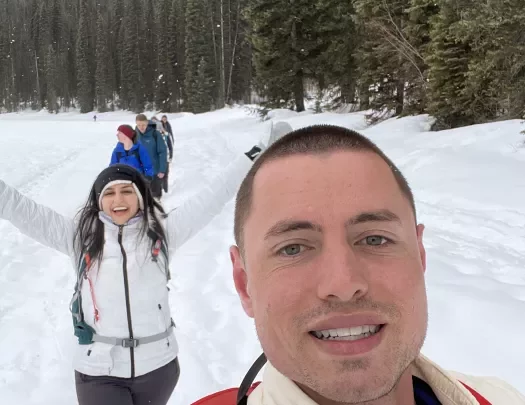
(422, 253)
(240, 278)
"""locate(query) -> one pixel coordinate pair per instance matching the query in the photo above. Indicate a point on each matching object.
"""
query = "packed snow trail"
(468, 194)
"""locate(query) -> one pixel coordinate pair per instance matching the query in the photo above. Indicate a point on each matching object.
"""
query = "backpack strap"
(158, 246)
(82, 330)
(84, 261)
(247, 384)
(239, 395)
(137, 156)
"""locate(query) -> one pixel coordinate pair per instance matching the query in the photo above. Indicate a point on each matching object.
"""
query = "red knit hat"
(127, 130)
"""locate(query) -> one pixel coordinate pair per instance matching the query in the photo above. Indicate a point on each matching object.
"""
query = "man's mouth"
(354, 333)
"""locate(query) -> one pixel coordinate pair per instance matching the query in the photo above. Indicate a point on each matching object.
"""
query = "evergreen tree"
(132, 61)
(201, 92)
(279, 53)
(72, 91)
(240, 80)
(336, 64)
(307, 46)
(417, 33)
(496, 72)
(150, 54)
(177, 53)
(448, 62)
(102, 56)
(116, 36)
(163, 83)
(85, 95)
(52, 80)
(198, 48)
(382, 63)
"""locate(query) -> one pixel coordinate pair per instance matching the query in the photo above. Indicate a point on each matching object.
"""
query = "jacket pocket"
(100, 356)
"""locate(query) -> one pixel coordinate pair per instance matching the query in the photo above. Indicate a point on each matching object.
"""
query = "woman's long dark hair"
(89, 233)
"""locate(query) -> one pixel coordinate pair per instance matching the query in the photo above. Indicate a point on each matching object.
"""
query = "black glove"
(254, 152)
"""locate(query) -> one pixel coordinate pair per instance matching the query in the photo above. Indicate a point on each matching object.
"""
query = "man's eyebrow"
(374, 216)
(285, 226)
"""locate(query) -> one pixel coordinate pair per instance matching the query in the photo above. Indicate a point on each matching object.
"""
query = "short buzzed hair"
(312, 140)
(141, 117)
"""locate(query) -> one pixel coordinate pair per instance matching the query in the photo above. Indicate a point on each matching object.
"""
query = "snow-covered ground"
(470, 192)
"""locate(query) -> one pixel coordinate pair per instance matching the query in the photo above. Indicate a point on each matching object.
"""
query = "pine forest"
(462, 61)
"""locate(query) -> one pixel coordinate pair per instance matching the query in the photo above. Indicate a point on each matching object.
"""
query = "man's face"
(332, 273)
(142, 126)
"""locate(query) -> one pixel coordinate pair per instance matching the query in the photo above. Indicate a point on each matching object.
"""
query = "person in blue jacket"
(131, 152)
(152, 139)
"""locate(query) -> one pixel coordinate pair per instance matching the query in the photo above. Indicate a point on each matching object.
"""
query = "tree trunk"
(234, 47)
(37, 79)
(299, 91)
(222, 83)
(400, 96)
(214, 41)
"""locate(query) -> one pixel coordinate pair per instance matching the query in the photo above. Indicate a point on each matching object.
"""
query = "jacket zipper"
(128, 305)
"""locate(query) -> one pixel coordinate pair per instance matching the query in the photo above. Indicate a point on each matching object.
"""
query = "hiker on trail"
(160, 128)
(167, 127)
(148, 136)
(121, 244)
(165, 133)
(129, 151)
(169, 145)
(330, 262)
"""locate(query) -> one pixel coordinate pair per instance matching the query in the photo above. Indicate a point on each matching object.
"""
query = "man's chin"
(352, 388)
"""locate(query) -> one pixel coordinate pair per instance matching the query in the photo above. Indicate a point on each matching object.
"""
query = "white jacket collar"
(133, 223)
(276, 389)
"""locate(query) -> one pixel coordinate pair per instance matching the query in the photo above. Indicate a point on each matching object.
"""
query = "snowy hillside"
(470, 190)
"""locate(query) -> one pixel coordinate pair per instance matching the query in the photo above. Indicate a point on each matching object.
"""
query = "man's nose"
(343, 275)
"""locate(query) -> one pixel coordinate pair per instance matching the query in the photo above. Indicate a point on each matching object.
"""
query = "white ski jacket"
(149, 301)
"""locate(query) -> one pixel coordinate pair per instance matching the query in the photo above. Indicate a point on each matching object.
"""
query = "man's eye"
(291, 250)
(375, 240)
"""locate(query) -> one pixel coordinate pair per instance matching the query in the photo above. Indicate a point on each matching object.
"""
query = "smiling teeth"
(358, 332)
(120, 209)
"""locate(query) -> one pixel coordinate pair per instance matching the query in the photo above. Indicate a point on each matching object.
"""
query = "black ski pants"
(165, 179)
(154, 388)
(156, 187)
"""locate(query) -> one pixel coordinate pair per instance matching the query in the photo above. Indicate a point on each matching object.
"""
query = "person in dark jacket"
(167, 127)
(148, 136)
(131, 153)
(169, 145)
(168, 132)
(162, 129)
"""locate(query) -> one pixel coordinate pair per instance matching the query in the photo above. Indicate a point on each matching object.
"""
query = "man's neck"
(402, 394)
